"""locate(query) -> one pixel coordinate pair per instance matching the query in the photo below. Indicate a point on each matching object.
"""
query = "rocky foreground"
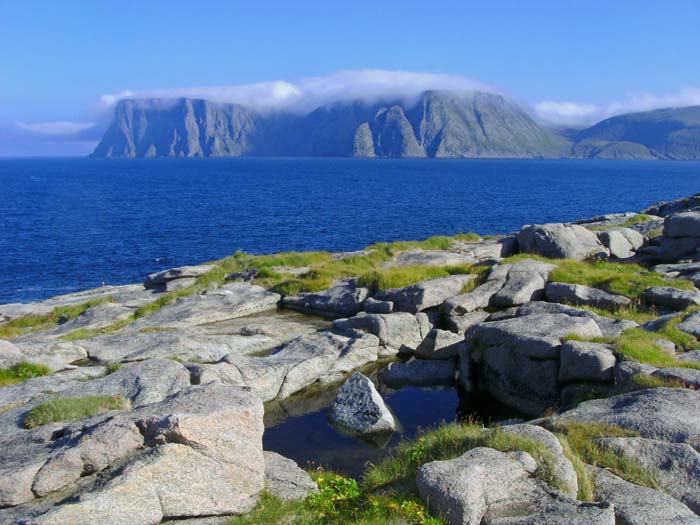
(143, 404)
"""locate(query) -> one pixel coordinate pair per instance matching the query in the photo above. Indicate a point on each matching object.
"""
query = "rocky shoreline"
(144, 403)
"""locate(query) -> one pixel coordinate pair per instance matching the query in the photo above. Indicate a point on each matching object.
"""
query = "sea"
(69, 224)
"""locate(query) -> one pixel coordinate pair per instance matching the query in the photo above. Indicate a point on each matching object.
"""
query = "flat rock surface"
(344, 298)
(577, 294)
(227, 302)
(426, 294)
(666, 414)
(637, 505)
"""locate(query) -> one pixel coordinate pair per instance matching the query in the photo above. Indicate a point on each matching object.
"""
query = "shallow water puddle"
(298, 428)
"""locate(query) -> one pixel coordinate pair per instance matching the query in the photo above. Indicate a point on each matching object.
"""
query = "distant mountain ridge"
(440, 124)
(670, 133)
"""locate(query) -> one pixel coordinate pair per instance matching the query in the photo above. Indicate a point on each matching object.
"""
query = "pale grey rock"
(526, 281)
(358, 408)
(690, 325)
(665, 208)
(55, 354)
(621, 242)
(582, 361)
(559, 241)
(577, 294)
(459, 324)
(675, 466)
(518, 359)
(321, 356)
(538, 336)
(141, 383)
(95, 317)
(625, 372)
(500, 315)
(180, 284)
(399, 330)
(440, 344)
(227, 302)
(344, 298)
(426, 294)
(666, 414)
(608, 326)
(479, 297)
(206, 460)
(637, 505)
(685, 224)
(666, 346)
(688, 377)
(563, 469)
(488, 486)
(183, 272)
(197, 453)
(284, 478)
(419, 373)
(691, 356)
(373, 306)
(10, 355)
(427, 321)
(432, 258)
(489, 249)
(673, 298)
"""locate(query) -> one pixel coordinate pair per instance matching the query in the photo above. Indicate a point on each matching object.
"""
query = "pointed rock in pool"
(358, 408)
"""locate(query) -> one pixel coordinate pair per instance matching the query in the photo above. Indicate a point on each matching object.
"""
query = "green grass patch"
(447, 442)
(639, 218)
(640, 345)
(630, 280)
(647, 381)
(70, 408)
(34, 323)
(580, 437)
(468, 237)
(340, 501)
(21, 372)
(585, 483)
(400, 276)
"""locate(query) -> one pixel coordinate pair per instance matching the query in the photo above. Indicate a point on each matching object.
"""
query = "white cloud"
(311, 92)
(55, 128)
(687, 96)
(565, 112)
(574, 113)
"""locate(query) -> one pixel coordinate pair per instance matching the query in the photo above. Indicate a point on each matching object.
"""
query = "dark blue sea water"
(70, 224)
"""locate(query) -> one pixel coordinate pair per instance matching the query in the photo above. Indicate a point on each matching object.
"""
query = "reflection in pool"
(298, 428)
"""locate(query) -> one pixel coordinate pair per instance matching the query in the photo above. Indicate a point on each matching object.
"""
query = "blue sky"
(567, 61)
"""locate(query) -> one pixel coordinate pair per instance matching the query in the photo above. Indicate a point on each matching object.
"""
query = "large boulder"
(621, 242)
(344, 298)
(400, 331)
(673, 298)
(284, 478)
(426, 294)
(684, 224)
(419, 373)
(197, 453)
(609, 327)
(488, 486)
(674, 249)
(666, 414)
(581, 361)
(525, 281)
(637, 505)
(559, 241)
(440, 344)
(675, 466)
(518, 359)
(577, 294)
(563, 469)
(690, 325)
(358, 408)
(479, 297)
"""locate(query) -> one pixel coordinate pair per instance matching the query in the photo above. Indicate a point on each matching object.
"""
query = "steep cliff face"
(439, 124)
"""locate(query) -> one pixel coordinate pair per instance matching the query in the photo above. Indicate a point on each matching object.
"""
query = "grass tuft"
(21, 372)
(70, 408)
(400, 276)
(581, 436)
